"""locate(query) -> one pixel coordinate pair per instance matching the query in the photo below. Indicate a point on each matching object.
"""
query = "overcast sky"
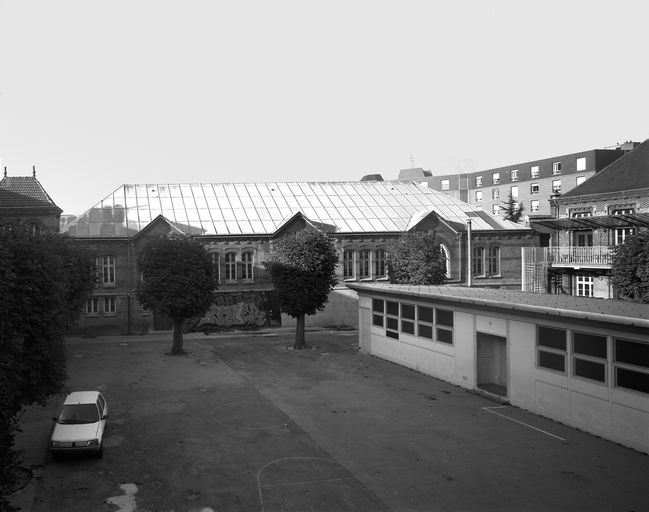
(97, 94)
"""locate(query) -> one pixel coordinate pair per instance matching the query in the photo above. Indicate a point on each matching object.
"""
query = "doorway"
(492, 363)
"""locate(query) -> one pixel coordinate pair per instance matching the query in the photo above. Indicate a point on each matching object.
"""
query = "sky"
(98, 94)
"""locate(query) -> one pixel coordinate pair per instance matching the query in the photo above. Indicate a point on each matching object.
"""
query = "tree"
(513, 210)
(44, 282)
(416, 258)
(177, 280)
(302, 267)
(630, 267)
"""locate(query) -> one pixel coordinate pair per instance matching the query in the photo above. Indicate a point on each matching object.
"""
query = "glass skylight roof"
(261, 208)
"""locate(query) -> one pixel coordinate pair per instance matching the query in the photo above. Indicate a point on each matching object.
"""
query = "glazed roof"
(261, 208)
(23, 192)
(629, 172)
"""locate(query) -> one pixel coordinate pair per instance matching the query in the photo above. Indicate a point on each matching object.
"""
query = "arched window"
(230, 266)
(447, 260)
(246, 265)
(364, 264)
(379, 263)
(348, 264)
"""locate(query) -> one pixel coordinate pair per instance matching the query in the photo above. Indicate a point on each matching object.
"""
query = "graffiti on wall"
(241, 309)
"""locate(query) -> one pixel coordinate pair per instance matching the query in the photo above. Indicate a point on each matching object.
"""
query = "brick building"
(588, 222)
(238, 223)
(24, 204)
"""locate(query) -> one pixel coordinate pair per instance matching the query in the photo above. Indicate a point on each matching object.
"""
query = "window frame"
(247, 265)
(348, 264)
(478, 260)
(629, 367)
(513, 175)
(535, 171)
(108, 270)
(556, 186)
(495, 178)
(478, 181)
(378, 266)
(535, 188)
(551, 350)
(556, 168)
(493, 260)
(364, 264)
(577, 356)
(535, 205)
(445, 184)
(110, 306)
(230, 266)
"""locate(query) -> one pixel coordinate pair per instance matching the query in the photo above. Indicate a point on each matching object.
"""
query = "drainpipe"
(468, 253)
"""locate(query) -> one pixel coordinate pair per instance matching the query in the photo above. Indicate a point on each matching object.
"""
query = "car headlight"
(93, 442)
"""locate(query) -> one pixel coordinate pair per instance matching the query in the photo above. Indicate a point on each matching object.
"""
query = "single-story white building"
(581, 361)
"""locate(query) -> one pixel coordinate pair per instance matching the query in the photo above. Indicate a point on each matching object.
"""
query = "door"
(492, 363)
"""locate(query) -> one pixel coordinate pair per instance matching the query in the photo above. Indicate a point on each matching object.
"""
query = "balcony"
(598, 256)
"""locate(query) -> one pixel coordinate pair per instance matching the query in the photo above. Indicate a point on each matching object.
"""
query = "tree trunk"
(299, 333)
(177, 346)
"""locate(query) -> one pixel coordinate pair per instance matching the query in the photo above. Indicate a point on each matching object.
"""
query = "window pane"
(425, 314)
(425, 331)
(445, 317)
(589, 345)
(393, 308)
(392, 323)
(377, 305)
(391, 334)
(408, 311)
(408, 327)
(445, 336)
(630, 379)
(632, 352)
(377, 320)
(552, 361)
(553, 338)
(590, 369)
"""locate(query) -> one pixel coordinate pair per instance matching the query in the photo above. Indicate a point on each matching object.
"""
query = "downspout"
(468, 253)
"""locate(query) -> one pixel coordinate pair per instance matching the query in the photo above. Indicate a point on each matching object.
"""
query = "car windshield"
(79, 413)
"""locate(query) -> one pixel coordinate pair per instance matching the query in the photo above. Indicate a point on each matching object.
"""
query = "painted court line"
(491, 410)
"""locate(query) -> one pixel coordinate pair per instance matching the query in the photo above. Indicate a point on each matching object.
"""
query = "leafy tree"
(303, 267)
(513, 209)
(416, 258)
(44, 282)
(630, 267)
(177, 280)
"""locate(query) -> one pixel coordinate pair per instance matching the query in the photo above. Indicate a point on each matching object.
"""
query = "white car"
(80, 426)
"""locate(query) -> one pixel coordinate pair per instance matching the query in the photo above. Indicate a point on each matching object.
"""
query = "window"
(445, 184)
(33, 229)
(514, 175)
(589, 356)
(447, 259)
(495, 178)
(513, 190)
(581, 163)
(425, 322)
(584, 285)
(444, 325)
(556, 167)
(579, 180)
(216, 266)
(478, 261)
(379, 263)
(621, 234)
(348, 264)
(534, 171)
(631, 365)
(108, 270)
(478, 181)
(109, 305)
(534, 205)
(534, 188)
(496, 209)
(364, 264)
(551, 348)
(378, 309)
(495, 193)
(556, 186)
(246, 266)
(493, 261)
(92, 306)
(408, 318)
(478, 195)
(392, 319)
(230, 266)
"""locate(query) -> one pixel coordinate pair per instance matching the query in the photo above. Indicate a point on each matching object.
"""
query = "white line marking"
(309, 482)
(490, 409)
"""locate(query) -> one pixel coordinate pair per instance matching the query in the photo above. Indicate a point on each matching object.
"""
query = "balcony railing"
(598, 255)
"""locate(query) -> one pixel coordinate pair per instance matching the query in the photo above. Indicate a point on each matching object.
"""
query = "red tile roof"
(23, 192)
(629, 172)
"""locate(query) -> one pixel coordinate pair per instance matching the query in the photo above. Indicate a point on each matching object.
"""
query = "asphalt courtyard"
(244, 424)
